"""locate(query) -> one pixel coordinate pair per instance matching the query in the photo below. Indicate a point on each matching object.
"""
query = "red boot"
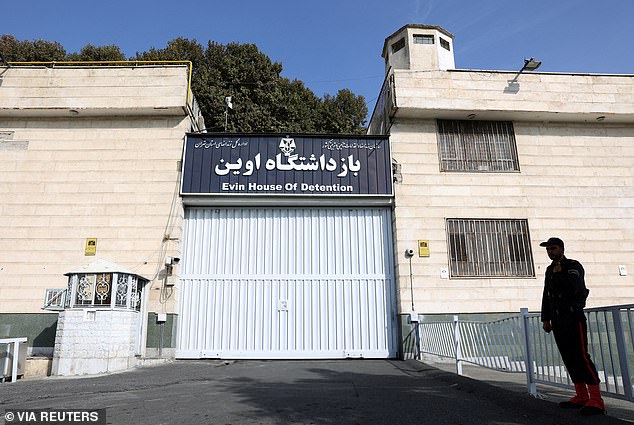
(595, 405)
(579, 400)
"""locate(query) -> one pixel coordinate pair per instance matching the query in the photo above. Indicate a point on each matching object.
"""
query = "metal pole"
(226, 115)
(16, 355)
(161, 331)
(620, 346)
(530, 380)
(417, 338)
(411, 283)
(456, 335)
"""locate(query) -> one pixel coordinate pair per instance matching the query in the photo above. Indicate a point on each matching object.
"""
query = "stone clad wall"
(89, 153)
(92, 341)
(93, 90)
(576, 181)
(557, 97)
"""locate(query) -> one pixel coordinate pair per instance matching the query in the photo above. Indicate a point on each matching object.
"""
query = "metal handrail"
(14, 352)
(518, 344)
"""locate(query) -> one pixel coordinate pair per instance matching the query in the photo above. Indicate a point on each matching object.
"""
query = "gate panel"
(286, 283)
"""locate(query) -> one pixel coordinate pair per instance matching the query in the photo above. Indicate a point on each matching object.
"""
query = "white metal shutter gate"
(287, 283)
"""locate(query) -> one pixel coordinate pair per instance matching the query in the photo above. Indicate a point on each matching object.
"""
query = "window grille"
(54, 299)
(477, 146)
(423, 39)
(445, 44)
(108, 290)
(489, 248)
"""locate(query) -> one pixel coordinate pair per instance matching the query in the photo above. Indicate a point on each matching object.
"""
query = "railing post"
(417, 339)
(530, 372)
(16, 355)
(456, 335)
(620, 346)
(13, 350)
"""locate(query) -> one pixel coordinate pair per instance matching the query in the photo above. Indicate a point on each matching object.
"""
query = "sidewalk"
(516, 382)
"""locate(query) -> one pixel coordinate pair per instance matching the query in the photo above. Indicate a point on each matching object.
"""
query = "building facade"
(91, 161)
(143, 236)
(489, 163)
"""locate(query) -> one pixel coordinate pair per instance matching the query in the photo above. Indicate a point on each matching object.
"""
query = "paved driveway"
(290, 392)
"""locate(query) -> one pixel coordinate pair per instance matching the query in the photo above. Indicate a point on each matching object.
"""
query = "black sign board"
(240, 164)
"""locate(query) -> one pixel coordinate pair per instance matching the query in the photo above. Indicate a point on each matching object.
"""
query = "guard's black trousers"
(572, 341)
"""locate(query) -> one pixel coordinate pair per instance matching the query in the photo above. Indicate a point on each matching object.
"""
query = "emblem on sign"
(287, 146)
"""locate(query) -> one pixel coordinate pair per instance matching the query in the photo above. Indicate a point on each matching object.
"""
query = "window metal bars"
(118, 290)
(54, 299)
(508, 344)
(487, 146)
(489, 248)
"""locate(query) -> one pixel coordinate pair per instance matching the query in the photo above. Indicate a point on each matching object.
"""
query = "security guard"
(563, 301)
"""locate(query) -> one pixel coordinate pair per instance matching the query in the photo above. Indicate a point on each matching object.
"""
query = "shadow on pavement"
(292, 392)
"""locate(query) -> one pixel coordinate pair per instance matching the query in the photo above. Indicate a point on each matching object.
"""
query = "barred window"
(104, 290)
(445, 44)
(489, 248)
(477, 146)
(423, 39)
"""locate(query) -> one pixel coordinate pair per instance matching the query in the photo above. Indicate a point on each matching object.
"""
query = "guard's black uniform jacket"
(563, 301)
(565, 293)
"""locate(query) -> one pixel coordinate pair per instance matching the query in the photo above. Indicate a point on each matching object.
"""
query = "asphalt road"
(290, 392)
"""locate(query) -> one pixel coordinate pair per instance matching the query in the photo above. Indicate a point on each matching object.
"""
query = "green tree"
(30, 51)
(98, 53)
(250, 78)
(343, 113)
(263, 100)
(181, 49)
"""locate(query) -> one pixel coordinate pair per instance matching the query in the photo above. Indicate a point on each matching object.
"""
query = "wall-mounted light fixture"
(529, 65)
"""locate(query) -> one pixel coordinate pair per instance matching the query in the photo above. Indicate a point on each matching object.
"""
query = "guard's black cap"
(553, 241)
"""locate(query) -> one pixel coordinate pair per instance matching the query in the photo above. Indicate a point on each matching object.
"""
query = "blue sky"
(334, 44)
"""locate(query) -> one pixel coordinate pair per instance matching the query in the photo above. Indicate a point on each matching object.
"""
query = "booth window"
(489, 248)
(477, 146)
(104, 290)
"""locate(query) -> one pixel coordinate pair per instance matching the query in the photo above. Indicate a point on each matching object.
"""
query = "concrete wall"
(89, 153)
(534, 96)
(39, 328)
(51, 91)
(112, 179)
(576, 181)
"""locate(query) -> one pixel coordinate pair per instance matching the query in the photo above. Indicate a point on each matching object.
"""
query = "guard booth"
(287, 247)
(99, 328)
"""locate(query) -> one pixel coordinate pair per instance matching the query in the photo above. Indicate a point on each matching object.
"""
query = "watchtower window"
(423, 39)
(398, 45)
(445, 44)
